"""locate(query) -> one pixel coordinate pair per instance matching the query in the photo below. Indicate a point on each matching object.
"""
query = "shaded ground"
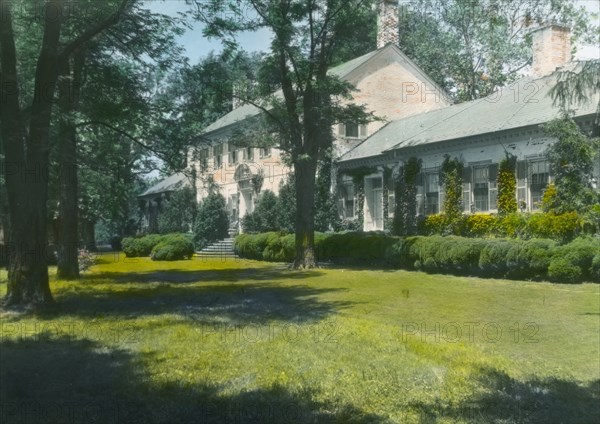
(247, 342)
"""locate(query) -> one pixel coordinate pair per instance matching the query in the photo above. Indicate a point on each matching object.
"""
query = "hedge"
(136, 247)
(173, 247)
(534, 259)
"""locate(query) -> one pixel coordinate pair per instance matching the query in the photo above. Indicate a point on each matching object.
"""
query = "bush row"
(169, 247)
(339, 247)
(558, 227)
(534, 259)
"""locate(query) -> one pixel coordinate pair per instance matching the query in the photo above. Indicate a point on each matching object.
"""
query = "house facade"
(417, 120)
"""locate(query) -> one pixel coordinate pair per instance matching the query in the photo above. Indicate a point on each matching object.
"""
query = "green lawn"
(243, 341)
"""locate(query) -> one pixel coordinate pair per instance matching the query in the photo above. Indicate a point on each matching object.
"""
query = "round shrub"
(136, 247)
(563, 270)
(530, 259)
(479, 225)
(173, 248)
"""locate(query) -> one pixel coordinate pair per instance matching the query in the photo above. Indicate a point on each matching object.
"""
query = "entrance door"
(377, 210)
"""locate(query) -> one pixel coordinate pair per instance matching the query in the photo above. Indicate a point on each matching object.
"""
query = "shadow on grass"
(506, 399)
(243, 303)
(231, 275)
(79, 381)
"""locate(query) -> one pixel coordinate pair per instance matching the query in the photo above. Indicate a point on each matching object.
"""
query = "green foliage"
(451, 180)
(571, 160)
(492, 261)
(212, 221)
(507, 185)
(529, 259)
(562, 270)
(450, 254)
(358, 179)
(327, 217)
(512, 225)
(558, 227)
(265, 216)
(136, 247)
(573, 262)
(173, 247)
(178, 212)
(354, 247)
(549, 199)
(432, 224)
(405, 190)
(287, 204)
(478, 225)
(595, 269)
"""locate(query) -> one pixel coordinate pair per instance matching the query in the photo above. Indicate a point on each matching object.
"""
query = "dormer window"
(351, 130)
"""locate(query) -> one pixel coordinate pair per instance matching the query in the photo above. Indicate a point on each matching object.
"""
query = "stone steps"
(220, 249)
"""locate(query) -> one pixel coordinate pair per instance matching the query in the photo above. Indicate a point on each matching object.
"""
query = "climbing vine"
(507, 185)
(405, 187)
(451, 179)
(387, 179)
(358, 179)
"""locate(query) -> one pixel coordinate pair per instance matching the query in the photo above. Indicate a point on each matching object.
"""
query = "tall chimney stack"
(551, 48)
(387, 23)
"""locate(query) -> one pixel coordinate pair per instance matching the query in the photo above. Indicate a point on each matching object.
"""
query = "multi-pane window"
(218, 153)
(347, 202)
(250, 153)
(539, 177)
(432, 193)
(481, 193)
(351, 130)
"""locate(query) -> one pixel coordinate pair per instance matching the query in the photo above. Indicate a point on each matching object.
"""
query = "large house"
(420, 121)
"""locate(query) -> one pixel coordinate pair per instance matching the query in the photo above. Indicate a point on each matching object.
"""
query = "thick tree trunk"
(69, 86)
(305, 173)
(27, 152)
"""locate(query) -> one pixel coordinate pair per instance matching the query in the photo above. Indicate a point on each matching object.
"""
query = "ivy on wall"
(451, 179)
(387, 181)
(358, 179)
(405, 187)
(507, 185)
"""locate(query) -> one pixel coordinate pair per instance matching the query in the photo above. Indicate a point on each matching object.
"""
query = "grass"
(243, 341)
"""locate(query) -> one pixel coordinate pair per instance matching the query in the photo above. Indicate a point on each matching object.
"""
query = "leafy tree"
(265, 216)
(178, 212)
(507, 185)
(472, 47)
(311, 101)
(578, 86)
(25, 121)
(327, 216)
(571, 160)
(212, 221)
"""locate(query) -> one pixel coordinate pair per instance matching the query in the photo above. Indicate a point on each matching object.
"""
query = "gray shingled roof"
(172, 183)
(246, 111)
(526, 102)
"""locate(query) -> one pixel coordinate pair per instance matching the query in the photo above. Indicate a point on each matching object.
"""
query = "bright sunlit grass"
(242, 341)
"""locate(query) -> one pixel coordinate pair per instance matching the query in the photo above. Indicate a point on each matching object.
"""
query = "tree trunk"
(69, 87)
(27, 152)
(305, 173)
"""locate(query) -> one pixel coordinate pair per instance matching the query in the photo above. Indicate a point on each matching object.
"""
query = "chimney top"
(551, 48)
(387, 23)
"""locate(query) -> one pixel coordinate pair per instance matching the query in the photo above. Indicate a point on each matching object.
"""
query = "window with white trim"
(265, 152)
(539, 178)
(218, 155)
(347, 201)
(432, 193)
(351, 130)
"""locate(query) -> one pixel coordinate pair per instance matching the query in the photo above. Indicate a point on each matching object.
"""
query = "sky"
(197, 46)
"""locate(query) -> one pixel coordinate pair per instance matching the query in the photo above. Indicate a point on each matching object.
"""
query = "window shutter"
(363, 131)
(467, 175)
(522, 169)
(493, 172)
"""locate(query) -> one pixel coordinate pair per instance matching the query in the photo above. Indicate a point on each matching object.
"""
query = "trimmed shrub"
(251, 246)
(579, 254)
(212, 220)
(432, 224)
(512, 225)
(173, 247)
(354, 246)
(136, 247)
(492, 261)
(529, 259)
(562, 270)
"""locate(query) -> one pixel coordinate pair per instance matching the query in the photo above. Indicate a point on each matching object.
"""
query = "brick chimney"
(387, 23)
(551, 48)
